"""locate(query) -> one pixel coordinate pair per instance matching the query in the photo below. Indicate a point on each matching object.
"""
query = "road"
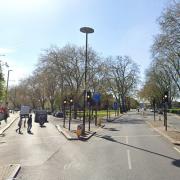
(126, 148)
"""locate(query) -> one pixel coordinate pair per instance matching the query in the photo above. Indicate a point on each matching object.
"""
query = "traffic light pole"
(64, 115)
(165, 115)
(154, 109)
(89, 116)
(70, 119)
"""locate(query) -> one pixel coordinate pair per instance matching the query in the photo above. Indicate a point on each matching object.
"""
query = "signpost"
(96, 98)
(115, 107)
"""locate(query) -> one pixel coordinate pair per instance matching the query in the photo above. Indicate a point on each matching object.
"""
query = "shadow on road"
(111, 129)
(175, 162)
(128, 121)
(2, 135)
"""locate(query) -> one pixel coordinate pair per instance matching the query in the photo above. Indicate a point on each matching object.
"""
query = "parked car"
(152, 110)
(54, 113)
(59, 114)
(49, 112)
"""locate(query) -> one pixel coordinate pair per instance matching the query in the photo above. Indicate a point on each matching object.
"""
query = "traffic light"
(166, 96)
(89, 96)
(71, 101)
(65, 101)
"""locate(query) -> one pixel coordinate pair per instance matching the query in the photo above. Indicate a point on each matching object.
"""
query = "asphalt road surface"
(126, 149)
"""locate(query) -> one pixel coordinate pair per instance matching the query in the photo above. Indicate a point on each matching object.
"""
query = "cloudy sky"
(122, 27)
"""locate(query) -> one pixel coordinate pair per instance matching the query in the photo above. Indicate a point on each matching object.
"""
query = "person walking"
(19, 126)
(29, 122)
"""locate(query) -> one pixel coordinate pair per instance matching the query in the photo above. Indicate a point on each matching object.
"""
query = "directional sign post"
(96, 98)
(115, 107)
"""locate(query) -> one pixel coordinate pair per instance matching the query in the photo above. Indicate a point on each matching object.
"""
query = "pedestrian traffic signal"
(89, 96)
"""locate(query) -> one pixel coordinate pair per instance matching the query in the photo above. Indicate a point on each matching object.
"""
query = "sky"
(121, 27)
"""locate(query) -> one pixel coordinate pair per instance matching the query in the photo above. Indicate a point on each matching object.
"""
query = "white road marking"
(141, 135)
(129, 159)
(178, 150)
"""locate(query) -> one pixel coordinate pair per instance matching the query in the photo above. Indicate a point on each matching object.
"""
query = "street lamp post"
(7, 86)
(85, 30)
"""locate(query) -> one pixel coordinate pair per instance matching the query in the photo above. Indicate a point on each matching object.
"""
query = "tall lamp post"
(7, 87)
(86, 30)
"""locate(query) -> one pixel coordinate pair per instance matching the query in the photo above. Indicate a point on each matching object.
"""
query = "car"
(49, 112)
(152, 110)
(59, 114)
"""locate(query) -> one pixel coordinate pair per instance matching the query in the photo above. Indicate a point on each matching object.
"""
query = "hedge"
(175, 111)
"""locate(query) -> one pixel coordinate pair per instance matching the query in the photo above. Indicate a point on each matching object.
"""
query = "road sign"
(97, 97)
(115, 105)
(25, 110)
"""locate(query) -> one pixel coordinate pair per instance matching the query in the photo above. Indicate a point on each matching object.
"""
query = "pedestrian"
(19, 126)
(29, 122)
(6, 112)
(25, 122)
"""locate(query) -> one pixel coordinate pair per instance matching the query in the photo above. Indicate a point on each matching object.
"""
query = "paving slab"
(172, 134)
(9, 172)
(4, 126)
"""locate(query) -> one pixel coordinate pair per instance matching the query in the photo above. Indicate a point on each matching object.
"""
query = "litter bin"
(79, 130)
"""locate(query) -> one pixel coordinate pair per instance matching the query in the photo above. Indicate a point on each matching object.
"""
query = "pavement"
(8, 171)
(10, 120)
(173, 127)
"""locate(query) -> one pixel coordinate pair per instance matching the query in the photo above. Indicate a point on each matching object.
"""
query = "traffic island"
(9, 171)
(72, 134)
(69, 135)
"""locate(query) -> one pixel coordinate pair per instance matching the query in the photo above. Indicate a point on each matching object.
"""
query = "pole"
(7, 85)
(85, 74)
(70, 118)
(89, 116)
(154, 109)
(107, 112)
(96, 115)
(165, 115)
(64, 115)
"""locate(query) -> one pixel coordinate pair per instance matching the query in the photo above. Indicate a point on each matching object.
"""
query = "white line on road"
(141, 135)
(177, 149)
(129, 159)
